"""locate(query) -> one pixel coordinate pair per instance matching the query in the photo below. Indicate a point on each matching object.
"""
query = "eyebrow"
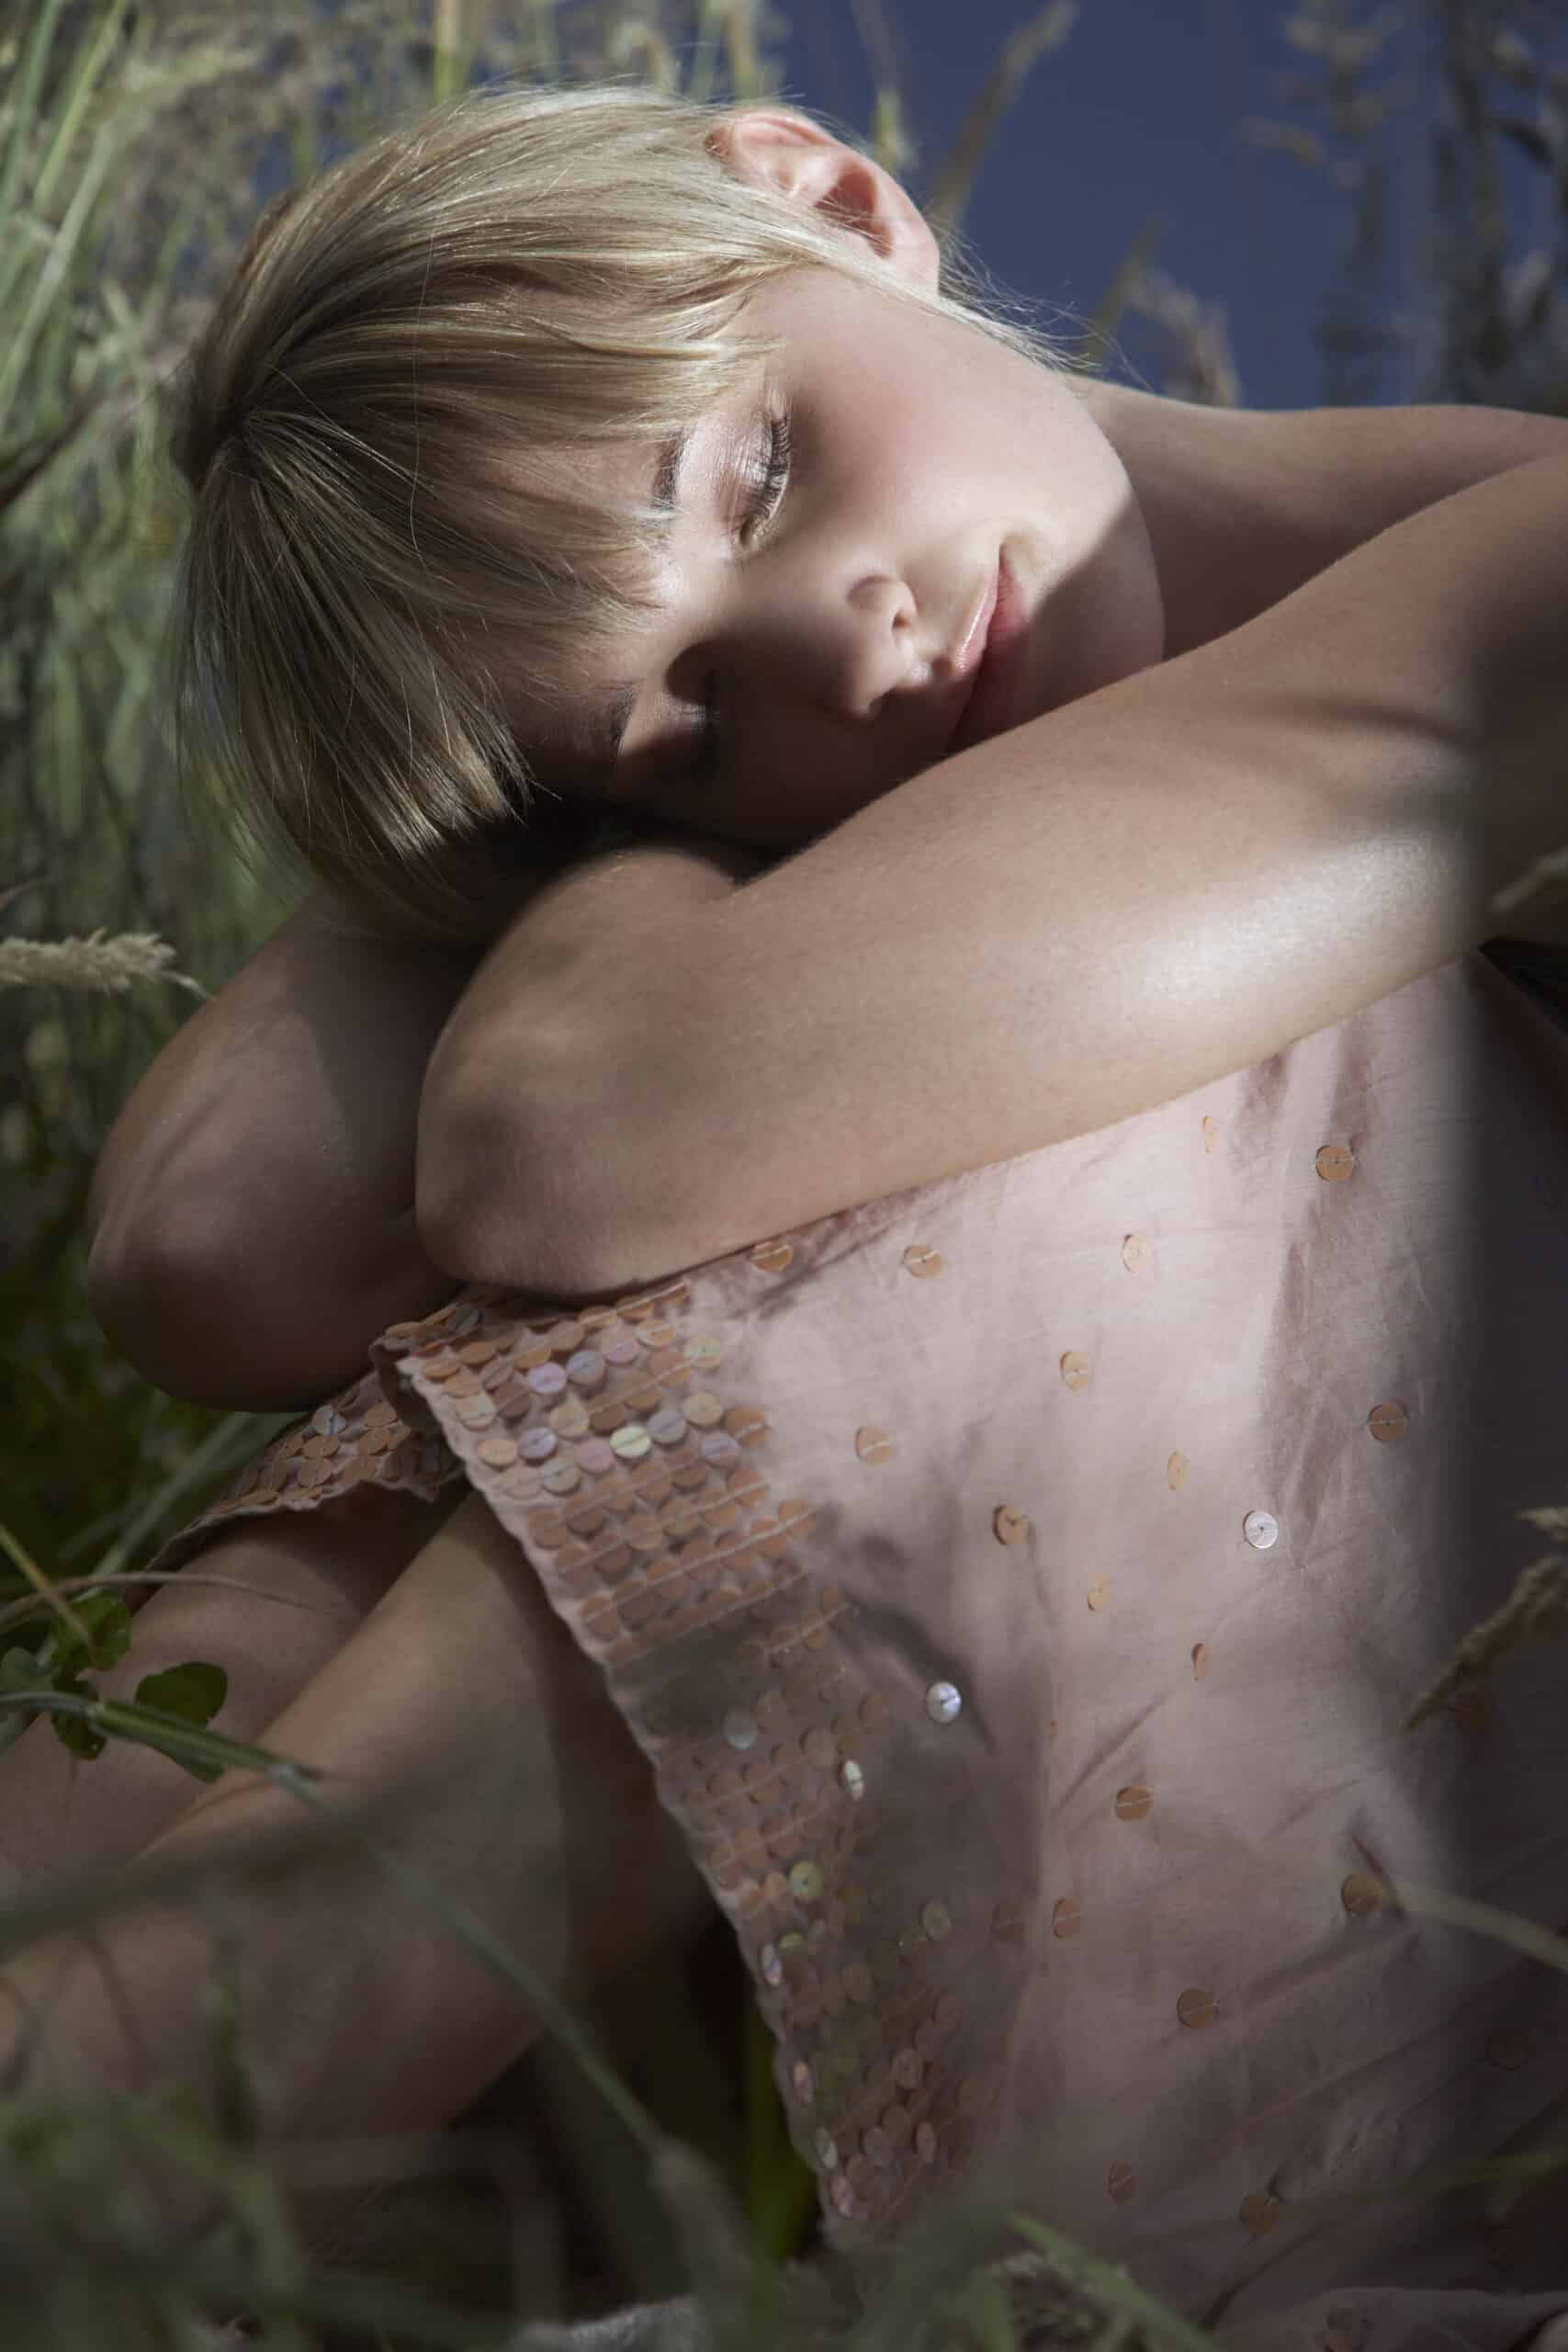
(611, 723)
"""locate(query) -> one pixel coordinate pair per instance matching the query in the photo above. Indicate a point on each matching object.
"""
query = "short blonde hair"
(369, 572)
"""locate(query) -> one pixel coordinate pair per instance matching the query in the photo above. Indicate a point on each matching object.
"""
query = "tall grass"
(136, 145)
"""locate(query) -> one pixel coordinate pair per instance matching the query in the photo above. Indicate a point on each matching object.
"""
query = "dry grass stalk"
(1536, 1610)
(108, 966)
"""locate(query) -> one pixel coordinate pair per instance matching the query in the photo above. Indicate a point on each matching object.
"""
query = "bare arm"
(251, 1220)
(1163, 882)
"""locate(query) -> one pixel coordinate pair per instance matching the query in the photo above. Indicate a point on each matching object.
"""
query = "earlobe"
(771, 148)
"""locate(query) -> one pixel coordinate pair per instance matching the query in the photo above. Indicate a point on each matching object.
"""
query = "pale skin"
(1190, 534)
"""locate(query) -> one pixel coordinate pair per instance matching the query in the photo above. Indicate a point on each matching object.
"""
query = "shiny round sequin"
(1360, 1894)
(826, 2147)
(1076, 1369)
(1009, 1525)
(805, 1881)
(873, 1444)
(741, 1728)
(769, 1964)
(1200, 1660)
(1066, 1917)
(1176, 1469)
(1099, 1594)
(1137, 1250)
(944, 1702)
(921, 1261)
(703, 1409)
(719, 1448)
(1388, 1423)
(1334, 1163)
(1259, 2213)
(1196, 2006)
(630, 1442)
(1261, 1529)
(1133, 1802)
(771, 1257)
(851, 1780)
(704, 1351)
(537, 1446)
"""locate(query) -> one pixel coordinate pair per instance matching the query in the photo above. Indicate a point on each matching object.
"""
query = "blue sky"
(1138, 115)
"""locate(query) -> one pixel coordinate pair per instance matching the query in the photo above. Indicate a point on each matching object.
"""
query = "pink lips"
(998, 696)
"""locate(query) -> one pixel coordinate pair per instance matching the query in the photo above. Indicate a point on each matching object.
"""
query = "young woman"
(1103, 777)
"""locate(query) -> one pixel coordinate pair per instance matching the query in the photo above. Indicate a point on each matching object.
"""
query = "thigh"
(316, 1576)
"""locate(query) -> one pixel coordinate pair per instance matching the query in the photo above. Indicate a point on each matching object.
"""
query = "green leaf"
(21, 1671)
(195, 1691)
(107, 1621)
(73, 1731)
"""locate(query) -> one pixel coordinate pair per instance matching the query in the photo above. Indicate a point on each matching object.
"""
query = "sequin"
(805, 1881)
(1388, 1423)
(827, 2149)
(1196, 2006)
(851, 1780)
(1259, 2213)
(741, 1728)
(1261, 1529)
(631, 1442)
(937, 1922)
(944, 1702)
(769, 1964)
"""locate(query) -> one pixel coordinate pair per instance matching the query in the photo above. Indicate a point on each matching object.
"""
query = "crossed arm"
(578, 1105)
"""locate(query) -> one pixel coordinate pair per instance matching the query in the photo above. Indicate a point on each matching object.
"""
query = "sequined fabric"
(1018, 1586)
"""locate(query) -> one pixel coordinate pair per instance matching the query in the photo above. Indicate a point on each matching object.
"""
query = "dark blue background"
(1139, 114)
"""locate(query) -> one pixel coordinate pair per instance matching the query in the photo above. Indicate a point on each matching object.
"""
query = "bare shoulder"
(1244, 506)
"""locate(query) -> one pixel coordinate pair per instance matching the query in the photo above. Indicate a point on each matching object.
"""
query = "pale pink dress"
(1019, 1585)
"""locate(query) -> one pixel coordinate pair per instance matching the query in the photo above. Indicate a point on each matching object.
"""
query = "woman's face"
(840, 524)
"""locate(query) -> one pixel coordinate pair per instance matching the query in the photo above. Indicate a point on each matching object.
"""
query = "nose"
(844, 647)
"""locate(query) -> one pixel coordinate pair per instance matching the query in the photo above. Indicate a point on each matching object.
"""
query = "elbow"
(157, 1306)
(491, 1200)
(525, 1199)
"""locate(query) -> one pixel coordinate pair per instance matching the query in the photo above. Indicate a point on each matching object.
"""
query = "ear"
(791, 155)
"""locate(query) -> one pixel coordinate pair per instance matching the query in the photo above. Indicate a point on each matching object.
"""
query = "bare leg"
(499, 1765)
(58, 1813)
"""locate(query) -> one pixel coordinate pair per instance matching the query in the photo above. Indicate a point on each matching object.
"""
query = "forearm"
(1156, 886)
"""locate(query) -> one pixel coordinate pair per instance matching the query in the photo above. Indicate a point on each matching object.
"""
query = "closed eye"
(767, 497)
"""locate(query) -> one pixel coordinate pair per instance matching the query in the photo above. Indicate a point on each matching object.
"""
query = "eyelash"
(764, 504)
